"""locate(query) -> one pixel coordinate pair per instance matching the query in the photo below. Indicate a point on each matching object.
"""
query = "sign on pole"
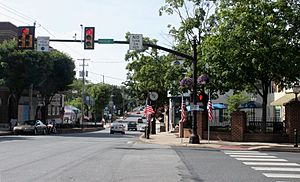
(105, 41)
(135, 42)
(43, 44)
(194, 107)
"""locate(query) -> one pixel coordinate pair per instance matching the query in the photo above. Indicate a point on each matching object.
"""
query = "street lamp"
(296, 90)
(194, 136)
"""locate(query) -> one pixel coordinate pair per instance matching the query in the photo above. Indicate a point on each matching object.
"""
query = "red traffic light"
(25, 31)
(89, 31)
(201, 97)
(26, 37)
(89, 34)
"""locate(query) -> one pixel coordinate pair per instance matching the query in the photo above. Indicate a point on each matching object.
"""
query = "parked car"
(142, 123)
(117, 128)
(132, 125)
(31, 126)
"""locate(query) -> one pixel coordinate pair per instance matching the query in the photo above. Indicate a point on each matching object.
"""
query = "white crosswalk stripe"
(271, 166)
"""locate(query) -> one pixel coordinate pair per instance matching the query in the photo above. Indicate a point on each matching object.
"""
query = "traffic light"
(203, 98)
(26, 37)
(89, 34)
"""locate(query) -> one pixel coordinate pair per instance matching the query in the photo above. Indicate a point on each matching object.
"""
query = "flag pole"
(208, 123)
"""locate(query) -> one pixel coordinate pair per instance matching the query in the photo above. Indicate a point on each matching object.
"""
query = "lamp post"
(194, 139)
(296, 90)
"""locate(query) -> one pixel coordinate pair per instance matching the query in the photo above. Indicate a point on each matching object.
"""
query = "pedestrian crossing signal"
(26, 37)
(89, 34)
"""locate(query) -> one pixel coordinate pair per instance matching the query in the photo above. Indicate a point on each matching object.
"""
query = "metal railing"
(221, 123)
(273, 125)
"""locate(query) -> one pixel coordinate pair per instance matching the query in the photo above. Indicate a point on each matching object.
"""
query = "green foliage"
(101, 94)
(235, 100)
(254, 43)
(59, 74)
(147, 72)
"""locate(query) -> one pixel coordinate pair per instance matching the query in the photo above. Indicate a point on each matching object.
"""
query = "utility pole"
(83, 90)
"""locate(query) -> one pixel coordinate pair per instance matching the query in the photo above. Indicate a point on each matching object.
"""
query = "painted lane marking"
(251, 159)
(279, 175)
(291, 169)
(242, 153)
(270, 164)
(253, 156)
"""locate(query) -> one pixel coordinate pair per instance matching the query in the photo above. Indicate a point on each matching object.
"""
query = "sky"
(111, 19)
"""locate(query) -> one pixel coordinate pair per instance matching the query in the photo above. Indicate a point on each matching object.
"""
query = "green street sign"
(105, 41)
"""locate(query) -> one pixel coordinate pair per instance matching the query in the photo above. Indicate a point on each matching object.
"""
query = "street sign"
(195, 107)
(43, 44)
(135, 42)
(105, 41)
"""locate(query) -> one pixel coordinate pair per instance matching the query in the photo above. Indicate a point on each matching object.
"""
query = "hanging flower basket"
(186, 82)
(202, 80)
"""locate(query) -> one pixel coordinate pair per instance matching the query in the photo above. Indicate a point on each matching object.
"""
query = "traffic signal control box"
(26, 37)
(89, 35)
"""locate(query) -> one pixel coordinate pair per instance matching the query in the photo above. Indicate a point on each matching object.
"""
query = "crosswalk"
(270, 166)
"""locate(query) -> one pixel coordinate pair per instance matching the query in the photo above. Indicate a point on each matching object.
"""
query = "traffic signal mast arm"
(186, 56)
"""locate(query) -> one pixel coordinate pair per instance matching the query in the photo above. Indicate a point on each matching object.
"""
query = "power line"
(108, 76)
(23, 16)
(107, 61)
(15, 19)
(15, 12)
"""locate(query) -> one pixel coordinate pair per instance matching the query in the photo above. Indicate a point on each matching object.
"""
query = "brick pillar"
(238, 126)
(201, 124)
(292, 118)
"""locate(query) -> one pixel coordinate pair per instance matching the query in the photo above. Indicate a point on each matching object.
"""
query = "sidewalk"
(172, 139)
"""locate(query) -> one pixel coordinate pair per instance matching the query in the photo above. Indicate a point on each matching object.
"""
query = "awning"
(282, 100)
(250, 104)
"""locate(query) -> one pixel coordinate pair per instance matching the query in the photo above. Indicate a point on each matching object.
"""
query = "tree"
(20, 70)
(47, 72)
(101, 94)
(59, 75)
(254, 43)
(147, 72)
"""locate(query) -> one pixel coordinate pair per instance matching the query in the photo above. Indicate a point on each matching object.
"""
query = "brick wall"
(201, 124)
(238, 126)
(292, 117)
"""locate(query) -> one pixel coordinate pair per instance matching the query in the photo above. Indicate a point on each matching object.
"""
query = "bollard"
(295, 138)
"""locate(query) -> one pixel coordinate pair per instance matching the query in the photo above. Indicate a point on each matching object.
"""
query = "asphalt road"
(100, 156)
(84, 157)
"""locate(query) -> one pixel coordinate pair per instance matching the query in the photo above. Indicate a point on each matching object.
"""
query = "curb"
(226, 146)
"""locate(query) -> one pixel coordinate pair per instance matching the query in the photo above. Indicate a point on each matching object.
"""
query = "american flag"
(183, 112)
(210, 111)
(148, 111)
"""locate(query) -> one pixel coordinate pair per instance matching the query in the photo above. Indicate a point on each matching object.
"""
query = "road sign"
(194, 107)
(43, 44)
(105, 41)
(135, 42)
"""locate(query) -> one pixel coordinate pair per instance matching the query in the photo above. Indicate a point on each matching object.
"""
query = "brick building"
(7, 31)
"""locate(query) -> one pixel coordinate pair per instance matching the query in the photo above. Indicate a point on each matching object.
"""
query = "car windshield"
(29, 122)
(131, 122)
(140, 121)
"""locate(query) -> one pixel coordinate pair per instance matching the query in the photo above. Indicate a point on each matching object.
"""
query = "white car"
(142, 123)
(117, 128)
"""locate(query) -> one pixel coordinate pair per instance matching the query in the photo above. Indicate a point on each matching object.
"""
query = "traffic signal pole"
(194, 139)
(194, 136)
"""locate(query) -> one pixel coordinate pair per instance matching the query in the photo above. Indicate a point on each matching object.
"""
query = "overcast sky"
(111, 19)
